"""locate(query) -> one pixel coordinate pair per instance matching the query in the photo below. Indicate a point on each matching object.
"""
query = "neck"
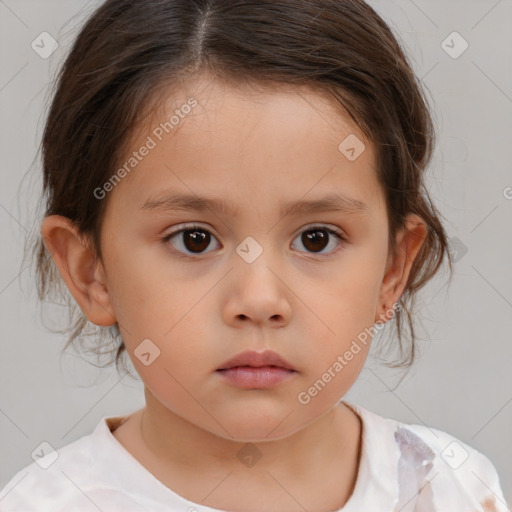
(325, 454)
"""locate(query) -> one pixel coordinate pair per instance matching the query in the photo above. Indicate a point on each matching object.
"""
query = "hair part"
(131, 54)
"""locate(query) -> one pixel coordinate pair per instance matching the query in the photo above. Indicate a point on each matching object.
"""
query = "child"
(257, 129)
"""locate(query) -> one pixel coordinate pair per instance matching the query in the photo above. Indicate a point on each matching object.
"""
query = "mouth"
(256, 377)
(256, 370)
(253, 359)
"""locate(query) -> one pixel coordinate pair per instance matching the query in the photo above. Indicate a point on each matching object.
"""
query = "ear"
(83, 274)
(409, 242)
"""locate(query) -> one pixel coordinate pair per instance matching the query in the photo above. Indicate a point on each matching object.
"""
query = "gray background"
(461, 383)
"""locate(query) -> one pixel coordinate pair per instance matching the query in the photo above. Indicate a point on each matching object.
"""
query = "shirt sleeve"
(439, 473)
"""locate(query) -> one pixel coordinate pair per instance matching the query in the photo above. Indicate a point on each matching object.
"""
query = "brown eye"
(316, 239)
(196, 240)
(192, 240)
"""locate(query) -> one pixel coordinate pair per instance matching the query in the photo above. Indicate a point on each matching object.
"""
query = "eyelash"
(193, 227)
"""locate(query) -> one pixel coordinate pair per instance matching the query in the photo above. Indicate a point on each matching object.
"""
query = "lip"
(268, 358)
(263, 377)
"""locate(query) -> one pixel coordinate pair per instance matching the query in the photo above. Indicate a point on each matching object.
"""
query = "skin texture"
(256, 149)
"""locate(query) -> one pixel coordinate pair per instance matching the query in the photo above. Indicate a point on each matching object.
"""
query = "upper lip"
(257, 359)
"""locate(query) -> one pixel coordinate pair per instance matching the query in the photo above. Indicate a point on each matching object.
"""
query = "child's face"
(257, 153)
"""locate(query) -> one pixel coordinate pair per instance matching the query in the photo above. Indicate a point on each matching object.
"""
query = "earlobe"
(80, 269)
(409, 242)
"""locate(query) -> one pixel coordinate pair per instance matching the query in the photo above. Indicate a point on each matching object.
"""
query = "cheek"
(169, 381)
(171, 355)
(353, 292)
(345, 308)
(172, 315)
(149, 294)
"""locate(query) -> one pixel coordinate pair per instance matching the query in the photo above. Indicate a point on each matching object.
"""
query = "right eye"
(193, 238)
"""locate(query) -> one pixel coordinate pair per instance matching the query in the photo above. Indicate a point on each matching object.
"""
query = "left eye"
(196, 239)
(315, 239)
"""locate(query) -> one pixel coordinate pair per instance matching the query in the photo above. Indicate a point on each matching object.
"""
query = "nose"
(257, 294)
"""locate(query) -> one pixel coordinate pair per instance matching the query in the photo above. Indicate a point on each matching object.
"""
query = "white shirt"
(96, 473)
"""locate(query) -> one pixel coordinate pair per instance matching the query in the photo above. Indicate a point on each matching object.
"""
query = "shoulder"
(454, 472)
(47, 482)
(80, 476)
(55, 490)
(457, 465)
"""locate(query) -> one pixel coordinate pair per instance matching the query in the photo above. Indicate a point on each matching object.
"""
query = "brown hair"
(129, 53)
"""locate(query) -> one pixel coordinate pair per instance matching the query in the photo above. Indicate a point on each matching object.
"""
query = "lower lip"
(248, 377)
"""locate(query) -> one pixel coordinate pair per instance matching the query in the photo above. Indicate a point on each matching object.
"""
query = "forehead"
(214, 139)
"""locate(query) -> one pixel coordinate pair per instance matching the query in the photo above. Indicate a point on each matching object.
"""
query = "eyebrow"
(187, 202)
